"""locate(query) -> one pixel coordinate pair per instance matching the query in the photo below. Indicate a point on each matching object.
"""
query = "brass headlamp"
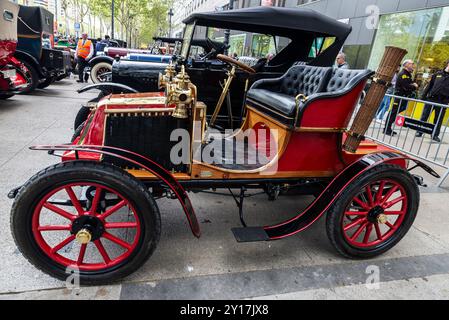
(168, 77)
(182, 92)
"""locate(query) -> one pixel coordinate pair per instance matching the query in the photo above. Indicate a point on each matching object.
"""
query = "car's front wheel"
(99, 70)
(78, 132)
(85, 218)
(81, 117)
(46, 83)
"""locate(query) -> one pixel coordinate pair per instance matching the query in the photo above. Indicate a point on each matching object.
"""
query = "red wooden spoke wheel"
(374, 212)
(88, 217)
(86, 226)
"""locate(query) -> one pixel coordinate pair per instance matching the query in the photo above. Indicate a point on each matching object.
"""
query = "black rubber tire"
(5, 96)
(131, 188)
(336, 213)
(78, 131)
(81, 117)
(33, 78)
(47, 82)
(63, 76)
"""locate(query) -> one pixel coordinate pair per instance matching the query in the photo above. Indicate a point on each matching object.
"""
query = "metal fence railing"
(416, 127)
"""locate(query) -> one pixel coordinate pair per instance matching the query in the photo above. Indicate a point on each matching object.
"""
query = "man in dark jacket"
(405, 87)
(438, 92)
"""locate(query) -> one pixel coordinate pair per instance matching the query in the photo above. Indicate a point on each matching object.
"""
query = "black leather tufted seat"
(342, 77)
(277, 97)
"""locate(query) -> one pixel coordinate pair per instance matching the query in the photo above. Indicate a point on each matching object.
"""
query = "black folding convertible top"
(302, 26)
(206, 44)
(34, 20)
(288, 22)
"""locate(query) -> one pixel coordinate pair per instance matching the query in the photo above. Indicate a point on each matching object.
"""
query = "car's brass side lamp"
(183, 93)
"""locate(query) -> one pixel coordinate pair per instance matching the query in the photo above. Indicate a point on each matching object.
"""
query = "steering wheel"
(235, 63)
(218, 47)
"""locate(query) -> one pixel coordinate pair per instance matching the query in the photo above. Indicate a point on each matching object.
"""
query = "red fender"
(322, 203)
(144, 163)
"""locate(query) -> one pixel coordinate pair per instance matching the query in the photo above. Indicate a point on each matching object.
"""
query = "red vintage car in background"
(12, 73)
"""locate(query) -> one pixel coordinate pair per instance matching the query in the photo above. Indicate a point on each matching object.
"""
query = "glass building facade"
(425, 35)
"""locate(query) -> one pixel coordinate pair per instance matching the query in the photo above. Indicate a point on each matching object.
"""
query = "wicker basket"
(392, 58)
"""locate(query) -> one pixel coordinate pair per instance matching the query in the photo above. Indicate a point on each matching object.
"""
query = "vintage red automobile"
(12, 73)
(95, 212)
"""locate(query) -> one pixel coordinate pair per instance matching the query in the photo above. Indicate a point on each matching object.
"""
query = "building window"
(251, 3)
(281, 3)
(301, 2)
(262, 45)
(357, 55)
(424, 34)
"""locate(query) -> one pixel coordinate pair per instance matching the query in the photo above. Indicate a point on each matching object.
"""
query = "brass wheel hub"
(377, 215)
(84, 236)
(87, 229)
(382, 219)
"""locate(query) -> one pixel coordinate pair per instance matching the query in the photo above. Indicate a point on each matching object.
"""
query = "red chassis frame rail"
(299, 223)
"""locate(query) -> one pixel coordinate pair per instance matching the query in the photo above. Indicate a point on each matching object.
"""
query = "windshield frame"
(187, 40)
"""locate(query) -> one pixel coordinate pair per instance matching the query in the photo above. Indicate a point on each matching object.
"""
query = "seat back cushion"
(305, 80)
(342, 78)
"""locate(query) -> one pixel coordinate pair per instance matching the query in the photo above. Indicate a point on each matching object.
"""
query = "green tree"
(135, 20)
(155, 20)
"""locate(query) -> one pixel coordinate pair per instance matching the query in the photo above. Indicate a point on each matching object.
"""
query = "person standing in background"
(438, 92)
(405, 87)
(84, 52)
(387, 100)
(341, 61)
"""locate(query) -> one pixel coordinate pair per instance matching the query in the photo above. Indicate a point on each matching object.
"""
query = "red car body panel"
(8, 45)
(7, 49)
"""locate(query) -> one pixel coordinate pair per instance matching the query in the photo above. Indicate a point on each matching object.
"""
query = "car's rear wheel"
(32, 78)
(63, 76)
(98, 70)
(5, 96)
(87, 218)
(374, 212)
(47, 82)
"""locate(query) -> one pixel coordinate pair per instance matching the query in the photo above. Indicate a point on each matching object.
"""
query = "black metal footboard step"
(252, 234)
